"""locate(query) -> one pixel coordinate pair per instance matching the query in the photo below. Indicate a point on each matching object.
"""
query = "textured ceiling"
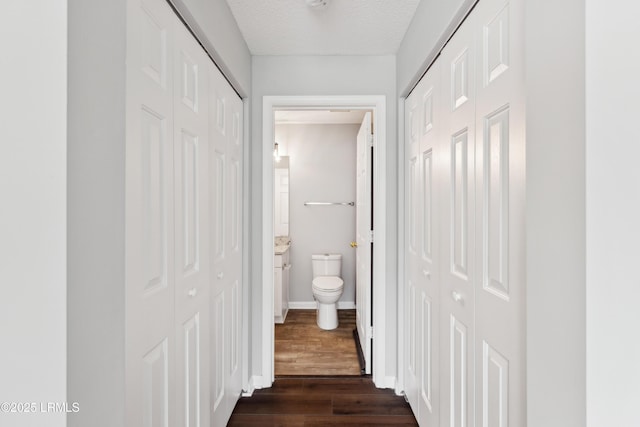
(344, 27)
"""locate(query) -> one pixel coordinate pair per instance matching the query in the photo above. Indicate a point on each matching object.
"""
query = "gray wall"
(95, 298)
(33, 243)
(216, 28)
(323, 75)
(613, 211)
(322, 167)
(431, 25)
(555, 59)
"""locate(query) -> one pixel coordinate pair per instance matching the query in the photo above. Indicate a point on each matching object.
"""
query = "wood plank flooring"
(315, 402)
(302, 348)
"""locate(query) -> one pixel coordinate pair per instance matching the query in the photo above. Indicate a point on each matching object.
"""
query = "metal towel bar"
(329, 203)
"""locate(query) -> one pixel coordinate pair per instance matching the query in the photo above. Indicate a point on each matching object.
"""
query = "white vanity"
(281, 278)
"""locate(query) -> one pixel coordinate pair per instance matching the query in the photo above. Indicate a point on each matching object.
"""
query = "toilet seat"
(327, 283)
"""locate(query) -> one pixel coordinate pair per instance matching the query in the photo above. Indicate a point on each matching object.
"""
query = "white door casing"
(364, 102)
(363, 238)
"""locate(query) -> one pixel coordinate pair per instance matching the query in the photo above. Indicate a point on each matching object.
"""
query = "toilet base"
(327, 316)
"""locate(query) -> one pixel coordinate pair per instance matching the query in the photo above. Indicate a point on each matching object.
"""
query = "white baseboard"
(311, 305)
(387, 382)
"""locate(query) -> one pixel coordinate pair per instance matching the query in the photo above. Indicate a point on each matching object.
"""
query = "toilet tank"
(326, 264)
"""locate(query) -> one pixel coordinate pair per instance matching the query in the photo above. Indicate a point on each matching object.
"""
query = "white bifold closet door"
(422, 292)
(182, 320)
(225, 171)
(465, 338)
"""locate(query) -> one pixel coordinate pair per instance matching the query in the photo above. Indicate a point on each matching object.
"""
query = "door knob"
(192, 292)
(354, 244)
(457, 297)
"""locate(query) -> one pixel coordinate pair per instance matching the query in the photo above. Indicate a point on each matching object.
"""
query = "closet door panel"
(226, 242)
(191, 229)
(412, 237)
(457, 222)
(500, 183)
(422, 289)
(149, 271)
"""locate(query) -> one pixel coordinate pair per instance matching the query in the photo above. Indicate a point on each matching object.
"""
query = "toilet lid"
(327, 283)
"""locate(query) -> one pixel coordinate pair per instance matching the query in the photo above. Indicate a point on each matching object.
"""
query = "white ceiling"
(319, 116)
(343, 27)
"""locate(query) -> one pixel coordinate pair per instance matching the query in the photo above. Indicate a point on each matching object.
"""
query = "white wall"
(322, 168)
(323, 75)
(556, 360)
(215, 26)
(430, 27)
(613, 212)
(33, 144)
(96, 256)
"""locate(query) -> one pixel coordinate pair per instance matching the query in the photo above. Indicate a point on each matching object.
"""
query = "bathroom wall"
(322, 168)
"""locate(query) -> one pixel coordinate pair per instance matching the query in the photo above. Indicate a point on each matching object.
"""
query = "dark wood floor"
(302, 348)
(315, 402)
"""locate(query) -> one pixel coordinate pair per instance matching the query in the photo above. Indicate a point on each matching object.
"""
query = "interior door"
(191, 259)
(500, 212)
(226, 246)
(149, 272)
(457, 212)
(423, 285)
(364, 189)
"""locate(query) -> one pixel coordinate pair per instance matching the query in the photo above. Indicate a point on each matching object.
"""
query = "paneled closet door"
(190, 161)
(149, 216)
(225, 126)
(500, 187)
(456, 156)
(422, 293)
(412, 182)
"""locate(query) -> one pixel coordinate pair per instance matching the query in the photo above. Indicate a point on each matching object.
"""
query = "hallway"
(324, 401)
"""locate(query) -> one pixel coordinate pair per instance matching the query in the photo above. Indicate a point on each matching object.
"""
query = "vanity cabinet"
(281, 286)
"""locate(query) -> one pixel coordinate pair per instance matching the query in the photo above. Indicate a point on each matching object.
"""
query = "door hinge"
(370, 236)
(370, 332)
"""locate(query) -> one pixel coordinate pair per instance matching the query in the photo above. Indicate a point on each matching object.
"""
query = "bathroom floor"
(302, 348)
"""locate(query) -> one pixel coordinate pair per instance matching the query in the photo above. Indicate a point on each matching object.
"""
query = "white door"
(190, 163)
(500, 213)
(363, 238)
(226, 246)
(465, 186)
(457, 226)
(149, 217)
(423, 256)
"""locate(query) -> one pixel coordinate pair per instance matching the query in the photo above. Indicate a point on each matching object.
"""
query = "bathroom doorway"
(337, 105)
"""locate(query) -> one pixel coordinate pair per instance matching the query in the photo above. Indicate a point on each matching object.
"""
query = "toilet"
(327, 287)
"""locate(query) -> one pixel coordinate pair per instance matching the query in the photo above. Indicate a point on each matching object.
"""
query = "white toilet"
(327, 288)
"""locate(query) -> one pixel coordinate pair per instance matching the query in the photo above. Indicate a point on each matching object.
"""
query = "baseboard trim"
(311, 305)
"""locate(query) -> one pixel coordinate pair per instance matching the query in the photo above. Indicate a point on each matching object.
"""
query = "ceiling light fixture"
(276, 154)
(317, 4)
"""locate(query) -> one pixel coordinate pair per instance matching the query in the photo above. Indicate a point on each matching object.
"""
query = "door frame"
(376, 103)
